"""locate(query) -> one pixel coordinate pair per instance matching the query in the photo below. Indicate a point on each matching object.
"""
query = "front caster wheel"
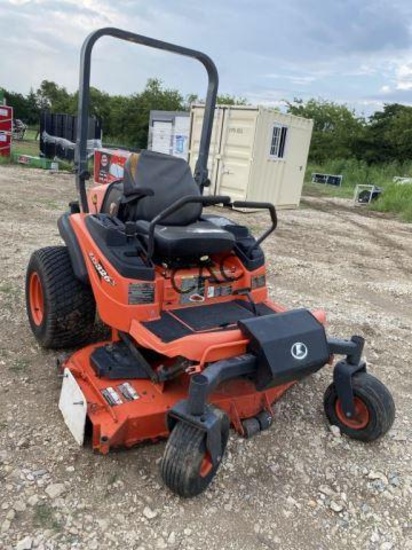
(265, 420)
(374, 409)
(251, 427)
(186, 466)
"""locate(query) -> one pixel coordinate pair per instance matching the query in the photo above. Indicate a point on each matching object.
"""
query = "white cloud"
(267, 53)
(404, 76)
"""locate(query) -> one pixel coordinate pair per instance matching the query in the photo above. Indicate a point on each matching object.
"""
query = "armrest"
(261, 206)
(137, 195)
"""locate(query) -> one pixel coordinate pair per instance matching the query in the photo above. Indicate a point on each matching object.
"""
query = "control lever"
(246, 292)
(130, 230)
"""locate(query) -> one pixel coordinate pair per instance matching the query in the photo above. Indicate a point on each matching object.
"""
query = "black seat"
(182, 234)
(201, 238)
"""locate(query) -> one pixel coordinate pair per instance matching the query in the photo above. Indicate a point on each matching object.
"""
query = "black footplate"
(288, 346)
(115, 361)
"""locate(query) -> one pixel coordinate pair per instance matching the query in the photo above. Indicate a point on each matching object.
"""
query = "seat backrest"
(169, 177)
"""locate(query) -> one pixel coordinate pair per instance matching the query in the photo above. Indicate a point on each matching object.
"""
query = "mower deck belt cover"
(288, 346)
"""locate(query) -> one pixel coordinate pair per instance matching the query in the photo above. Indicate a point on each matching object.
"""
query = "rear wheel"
(374, 409)
(61, 309)
(186, 466)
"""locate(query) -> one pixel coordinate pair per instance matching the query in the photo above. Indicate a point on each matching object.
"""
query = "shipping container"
(169, 133)
(256, 153)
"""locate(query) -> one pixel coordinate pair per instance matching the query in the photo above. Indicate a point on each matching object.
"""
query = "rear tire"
(61, 309)
(374, 406)
(186, 467)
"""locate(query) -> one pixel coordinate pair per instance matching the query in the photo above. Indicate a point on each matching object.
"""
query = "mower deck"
(125, 412)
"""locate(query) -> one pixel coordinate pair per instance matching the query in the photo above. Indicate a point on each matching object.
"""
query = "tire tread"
(70, 307)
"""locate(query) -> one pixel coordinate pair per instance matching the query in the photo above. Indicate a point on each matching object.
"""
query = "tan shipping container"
(256, 153)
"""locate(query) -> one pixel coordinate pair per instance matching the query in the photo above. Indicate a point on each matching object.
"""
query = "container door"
(235, 157)
(296, 156)
(196, 118)
(162, 137)
(181, 137)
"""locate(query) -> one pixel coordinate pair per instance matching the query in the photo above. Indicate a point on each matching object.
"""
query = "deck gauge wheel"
(251, 427)
(265, 420)
(374, 409)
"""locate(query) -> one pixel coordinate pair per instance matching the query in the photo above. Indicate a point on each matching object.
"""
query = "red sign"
(6, 128)
(109, 165)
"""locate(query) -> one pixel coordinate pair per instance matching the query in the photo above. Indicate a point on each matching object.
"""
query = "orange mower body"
(196, 346)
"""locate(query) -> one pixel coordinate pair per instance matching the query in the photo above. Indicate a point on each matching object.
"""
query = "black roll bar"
(82, 174)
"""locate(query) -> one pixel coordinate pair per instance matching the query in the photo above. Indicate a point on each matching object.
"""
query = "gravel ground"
(297, 486)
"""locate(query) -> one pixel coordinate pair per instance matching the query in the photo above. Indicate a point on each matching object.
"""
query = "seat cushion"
(195, 240)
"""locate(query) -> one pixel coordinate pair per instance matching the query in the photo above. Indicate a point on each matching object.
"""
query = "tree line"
(125, 119)
(339, 133)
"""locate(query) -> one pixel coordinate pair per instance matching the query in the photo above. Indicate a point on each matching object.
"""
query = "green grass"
(44, 517)
(31, 146)
(395, 198)
(5, 160)
(319, 189)
(26, 148)
(7, 288)
(19, 365)
(31, 133)
(356, 172)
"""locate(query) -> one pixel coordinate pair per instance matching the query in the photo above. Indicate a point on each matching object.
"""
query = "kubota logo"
(100, 270)
(299, 351)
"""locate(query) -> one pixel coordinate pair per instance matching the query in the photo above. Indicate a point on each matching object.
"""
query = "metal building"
(256, 153)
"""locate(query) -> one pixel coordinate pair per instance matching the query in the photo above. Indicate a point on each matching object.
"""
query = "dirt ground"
(297, 486)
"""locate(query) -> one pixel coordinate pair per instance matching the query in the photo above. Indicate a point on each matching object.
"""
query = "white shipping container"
(169, 133)
(256, 153)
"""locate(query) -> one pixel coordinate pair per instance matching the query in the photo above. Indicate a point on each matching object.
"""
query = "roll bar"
(82, 174)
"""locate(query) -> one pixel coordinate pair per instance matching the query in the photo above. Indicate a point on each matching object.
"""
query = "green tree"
(336, 129)
(229, 99)
(33, 111)
(154, 96)
(19, 104)
(221, 99)
(388, 135)
(54, 98)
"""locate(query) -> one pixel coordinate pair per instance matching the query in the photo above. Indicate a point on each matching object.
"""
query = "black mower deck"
(181, 322)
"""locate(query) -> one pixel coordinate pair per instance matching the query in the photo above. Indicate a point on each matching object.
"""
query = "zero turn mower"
(196, 345)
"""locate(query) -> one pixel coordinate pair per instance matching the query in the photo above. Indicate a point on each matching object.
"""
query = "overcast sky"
(353, 51)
